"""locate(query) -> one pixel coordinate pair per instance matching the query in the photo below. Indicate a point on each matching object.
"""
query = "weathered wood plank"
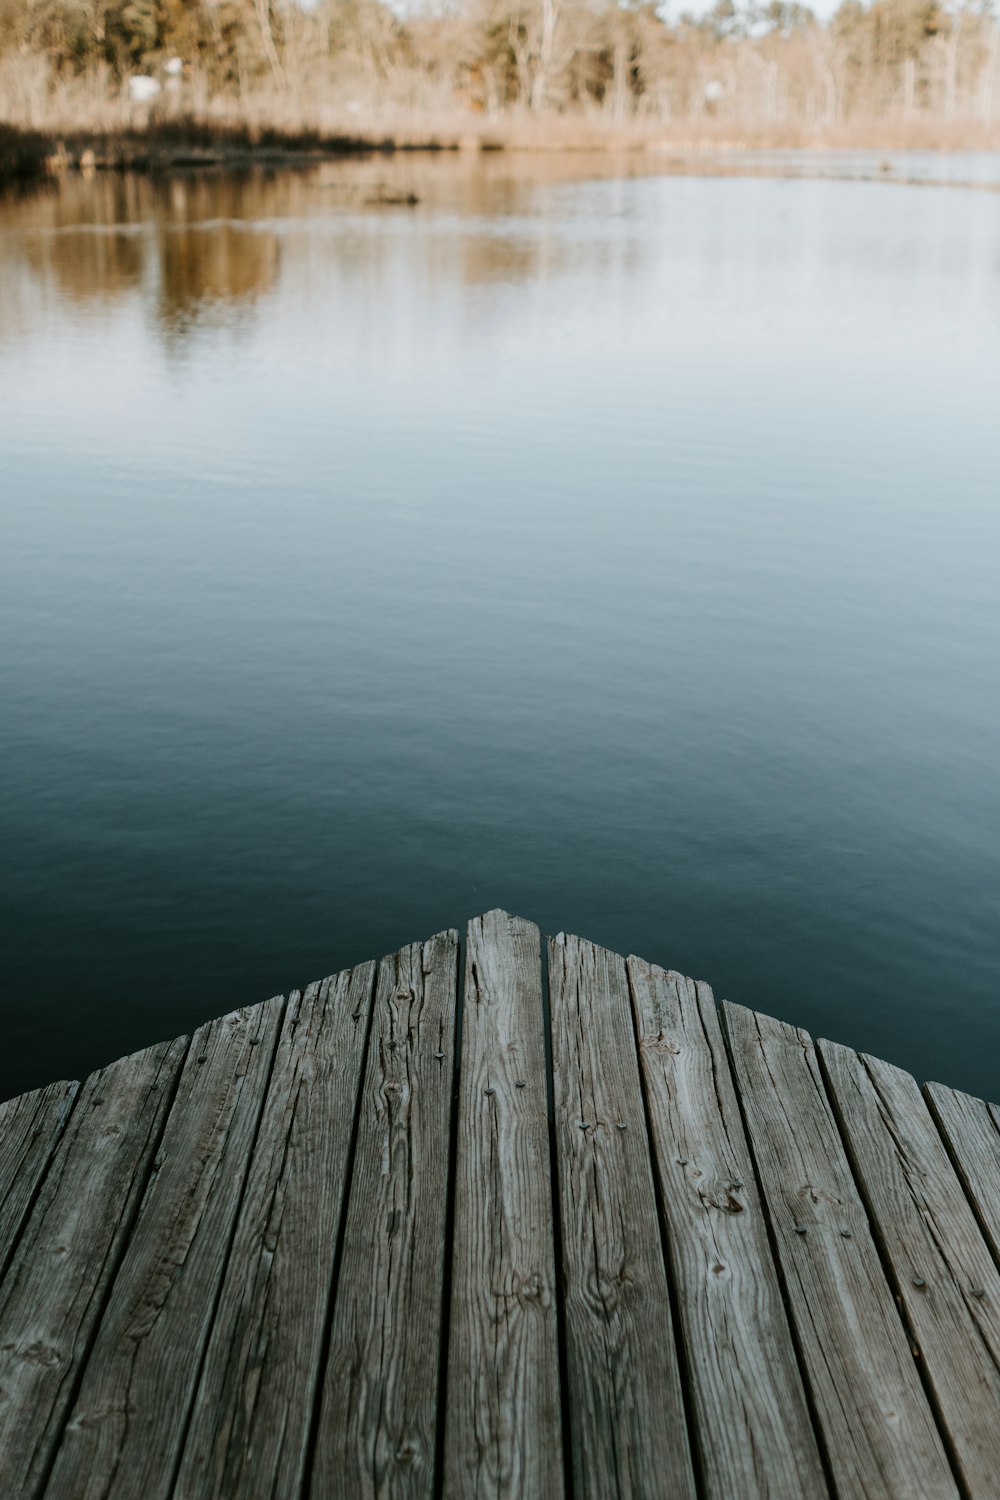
(377, 1428)
(627, 1422)
(876, 1422)
(946, 1280)
(253, 1411)
(124, 1435)
(30, 1127)
(755, 1434)
(503, 1433)
(972, 1131)
(54, 1290)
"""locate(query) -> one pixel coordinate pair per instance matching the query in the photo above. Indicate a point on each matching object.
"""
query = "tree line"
(742, 66)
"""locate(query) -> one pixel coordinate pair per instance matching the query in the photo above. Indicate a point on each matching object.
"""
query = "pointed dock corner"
(499, 1217)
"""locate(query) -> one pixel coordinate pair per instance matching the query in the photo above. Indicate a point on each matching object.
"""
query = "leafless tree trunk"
(262, 9)
(540, 83)
(988, 76)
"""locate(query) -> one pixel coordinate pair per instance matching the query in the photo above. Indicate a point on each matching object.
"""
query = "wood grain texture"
(30, 1127)
(124, 1435)
(971, 1129)
(223, 1269)
(627, 1422)
(753, 1423)
(876, 1422)
(253, 1411)
(503, 1433)
(377, 1428)
(945, 1276)
(54, 1290)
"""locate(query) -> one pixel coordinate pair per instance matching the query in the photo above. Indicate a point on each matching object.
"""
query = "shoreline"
(31, 155)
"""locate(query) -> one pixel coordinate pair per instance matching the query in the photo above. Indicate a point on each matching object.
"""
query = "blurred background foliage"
(772, 68)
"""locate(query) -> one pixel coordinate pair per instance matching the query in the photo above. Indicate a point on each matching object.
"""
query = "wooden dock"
(550, 1226)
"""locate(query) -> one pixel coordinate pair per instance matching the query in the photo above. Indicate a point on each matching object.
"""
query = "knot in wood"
(723, 1200)
(660, 1044)
(41, 1354)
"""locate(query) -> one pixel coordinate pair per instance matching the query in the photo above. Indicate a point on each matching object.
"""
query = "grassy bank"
(187, 142)
(147, 85)
(162, 146)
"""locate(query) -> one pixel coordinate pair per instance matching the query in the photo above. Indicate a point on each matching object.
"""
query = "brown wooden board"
(945, 1276)
(53, 1294)
(627, 1420)
(503, 1433)
(377, 1427)
(876, 1422)
(127, 1423)
(30, 1127)
(755, 1433)
(253, 1410)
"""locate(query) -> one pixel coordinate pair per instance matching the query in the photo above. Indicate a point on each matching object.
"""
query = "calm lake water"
(617, 547)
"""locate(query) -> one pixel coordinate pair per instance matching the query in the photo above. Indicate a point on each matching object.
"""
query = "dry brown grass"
(54, 123)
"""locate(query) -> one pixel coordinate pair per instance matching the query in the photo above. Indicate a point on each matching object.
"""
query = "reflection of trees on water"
(97, 250)
(205, 249)
(210, 270)
(192, 248)
(213, 258)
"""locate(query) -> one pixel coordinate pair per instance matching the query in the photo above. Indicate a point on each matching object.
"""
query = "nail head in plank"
(124, 1435)
(56, 1284)
(253, 1410)
(752, 1419)
(947, 1281)
(878, 1428)
(377, 1425)
(30, 1127)
(627, 1418)
(503, 1424)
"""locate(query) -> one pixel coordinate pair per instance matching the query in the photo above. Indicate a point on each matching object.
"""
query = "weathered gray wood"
(253, 1410)
(124, 1435)
(377, 1427)
(54, 1290)
(30, 1128)
(946, 1279)
(503, 1417)
(972, 1130)
(627, 1423)
(755, 1434)
(876, 1422)
(199, 1302)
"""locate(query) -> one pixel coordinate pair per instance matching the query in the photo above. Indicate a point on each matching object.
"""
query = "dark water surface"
(620, 549)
